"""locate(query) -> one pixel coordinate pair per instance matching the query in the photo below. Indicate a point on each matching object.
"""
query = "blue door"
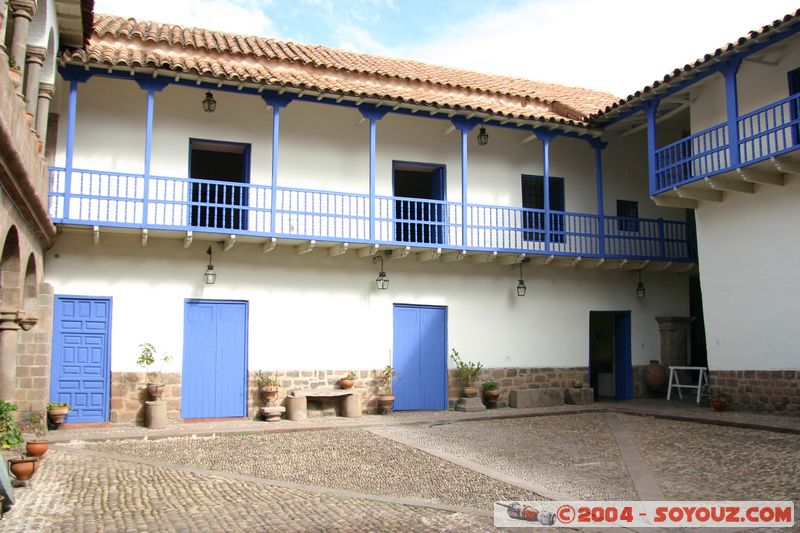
(420, 357)
(214, 381)
(623, 368)
(80, 371)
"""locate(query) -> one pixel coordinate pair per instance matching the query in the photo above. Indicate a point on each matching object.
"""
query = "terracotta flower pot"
(719, 405)
(655, 376)
(491, 395)
(36, 448)
(470, 392)
(23, 468)
(347, 383)
(155, 390)
(58, 415)
(268, 394)
(385, 402)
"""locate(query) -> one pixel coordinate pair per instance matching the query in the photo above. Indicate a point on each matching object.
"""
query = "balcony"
(119, 200)
(767, 142)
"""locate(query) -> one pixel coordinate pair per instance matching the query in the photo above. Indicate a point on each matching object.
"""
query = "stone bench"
(580, 396)
(349, 399)
(522, 398)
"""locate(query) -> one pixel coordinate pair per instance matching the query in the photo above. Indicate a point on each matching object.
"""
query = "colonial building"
(362, 211)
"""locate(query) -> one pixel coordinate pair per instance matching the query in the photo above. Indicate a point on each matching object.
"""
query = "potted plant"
(14, 72)
(719, 400)
(468, 372)
(38, 446)
(268, 387)
(23, 467)
(490, 391)
(58, 411)
(10, 435)
(348, 381)
(149, 356)
(385, 396)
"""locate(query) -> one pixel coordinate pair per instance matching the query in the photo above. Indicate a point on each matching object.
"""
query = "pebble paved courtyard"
(410, 477)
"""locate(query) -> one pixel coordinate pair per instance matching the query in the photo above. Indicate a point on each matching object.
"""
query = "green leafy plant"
(38, 425)
(10, 435)
(350, 375)
(385, 378)
(718, 396)
(467, 371)
(149, 356)
(263, 380)
(489, 385)
(12, 64)
(57, 405)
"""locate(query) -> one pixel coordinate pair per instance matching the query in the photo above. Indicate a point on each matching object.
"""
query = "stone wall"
(775, 391)
(33, 356)
(129, 392)
(509, 379)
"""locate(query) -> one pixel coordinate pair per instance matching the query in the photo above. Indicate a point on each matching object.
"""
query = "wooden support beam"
(429, 255)
(361, 121)
(269, 245)
(145, 235)
(682, 267)
(621, 264)
(671, 201)
(785, 166)
(452, 257)
(96, 234)
(514, 259)
(448, 130)
(587, 264)
(339, 249)
(528, 139)
(549, 259)
(401, 253)
(187, 239)
(759, 176)
(367, 251)
(484, 258)
(230, 241)
(658, 266)
(698, 194)
(575, 262)
(305, 248)
(722, 184)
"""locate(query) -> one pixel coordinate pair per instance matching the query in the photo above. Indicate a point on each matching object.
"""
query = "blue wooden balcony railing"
(767, 132)
(119, 200)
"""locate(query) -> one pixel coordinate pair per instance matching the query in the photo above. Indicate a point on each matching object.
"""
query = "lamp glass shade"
(210, 275)
(521, 288)
(640, 292)
(209, 103)
(382, 282)
(483, 137)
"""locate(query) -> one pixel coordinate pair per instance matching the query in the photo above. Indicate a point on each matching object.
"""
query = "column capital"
(35, 54)
(46, 90)
(16, 319)
(23, 8)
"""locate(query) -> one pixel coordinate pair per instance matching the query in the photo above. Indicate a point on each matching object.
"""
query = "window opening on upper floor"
(220, 172)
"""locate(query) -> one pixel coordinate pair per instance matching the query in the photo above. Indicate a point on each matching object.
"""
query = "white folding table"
(675, 382)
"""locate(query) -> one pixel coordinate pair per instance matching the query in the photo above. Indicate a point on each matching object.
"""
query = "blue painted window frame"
(441, 235)
(535, 220)
(794, 88)
(627, 209)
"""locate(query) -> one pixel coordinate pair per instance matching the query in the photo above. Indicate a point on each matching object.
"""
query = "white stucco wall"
(315, 312)
(749, 254)
(324, 147)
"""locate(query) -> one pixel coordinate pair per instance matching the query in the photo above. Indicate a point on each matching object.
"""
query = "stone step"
(522, 398)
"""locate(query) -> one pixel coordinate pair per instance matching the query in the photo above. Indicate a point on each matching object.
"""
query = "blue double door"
(420, 357)
(80, 369)
(214, 382)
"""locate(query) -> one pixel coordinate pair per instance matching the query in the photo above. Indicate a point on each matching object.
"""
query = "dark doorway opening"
(794, 107)
(610, 367)
(219, 200)
(418, 220)
(533, 198)
(698, 354)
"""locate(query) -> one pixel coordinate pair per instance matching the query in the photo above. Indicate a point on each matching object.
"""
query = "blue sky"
(614, 45)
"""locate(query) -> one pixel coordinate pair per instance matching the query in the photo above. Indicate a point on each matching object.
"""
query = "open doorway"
(418, 220)
(219, 200)
(610, 368)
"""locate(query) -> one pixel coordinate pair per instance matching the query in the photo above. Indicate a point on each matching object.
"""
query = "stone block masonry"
(509, 379)
(774, 391)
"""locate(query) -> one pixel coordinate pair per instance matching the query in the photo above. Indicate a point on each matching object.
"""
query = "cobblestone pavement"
(77, 494)
(353, 460)
(695, 461)
(574, 455)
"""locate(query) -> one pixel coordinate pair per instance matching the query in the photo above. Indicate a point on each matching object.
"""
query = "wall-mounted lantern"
(210, 275)
(382, 282)
(640, 292)
(209, 103)
(521, 288)
(483, 137)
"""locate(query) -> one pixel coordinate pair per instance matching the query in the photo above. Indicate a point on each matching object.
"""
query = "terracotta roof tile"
(682, 73)
(128, 42)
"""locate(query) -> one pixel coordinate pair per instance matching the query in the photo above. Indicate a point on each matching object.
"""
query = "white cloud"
(614, 45)
(242, 16)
